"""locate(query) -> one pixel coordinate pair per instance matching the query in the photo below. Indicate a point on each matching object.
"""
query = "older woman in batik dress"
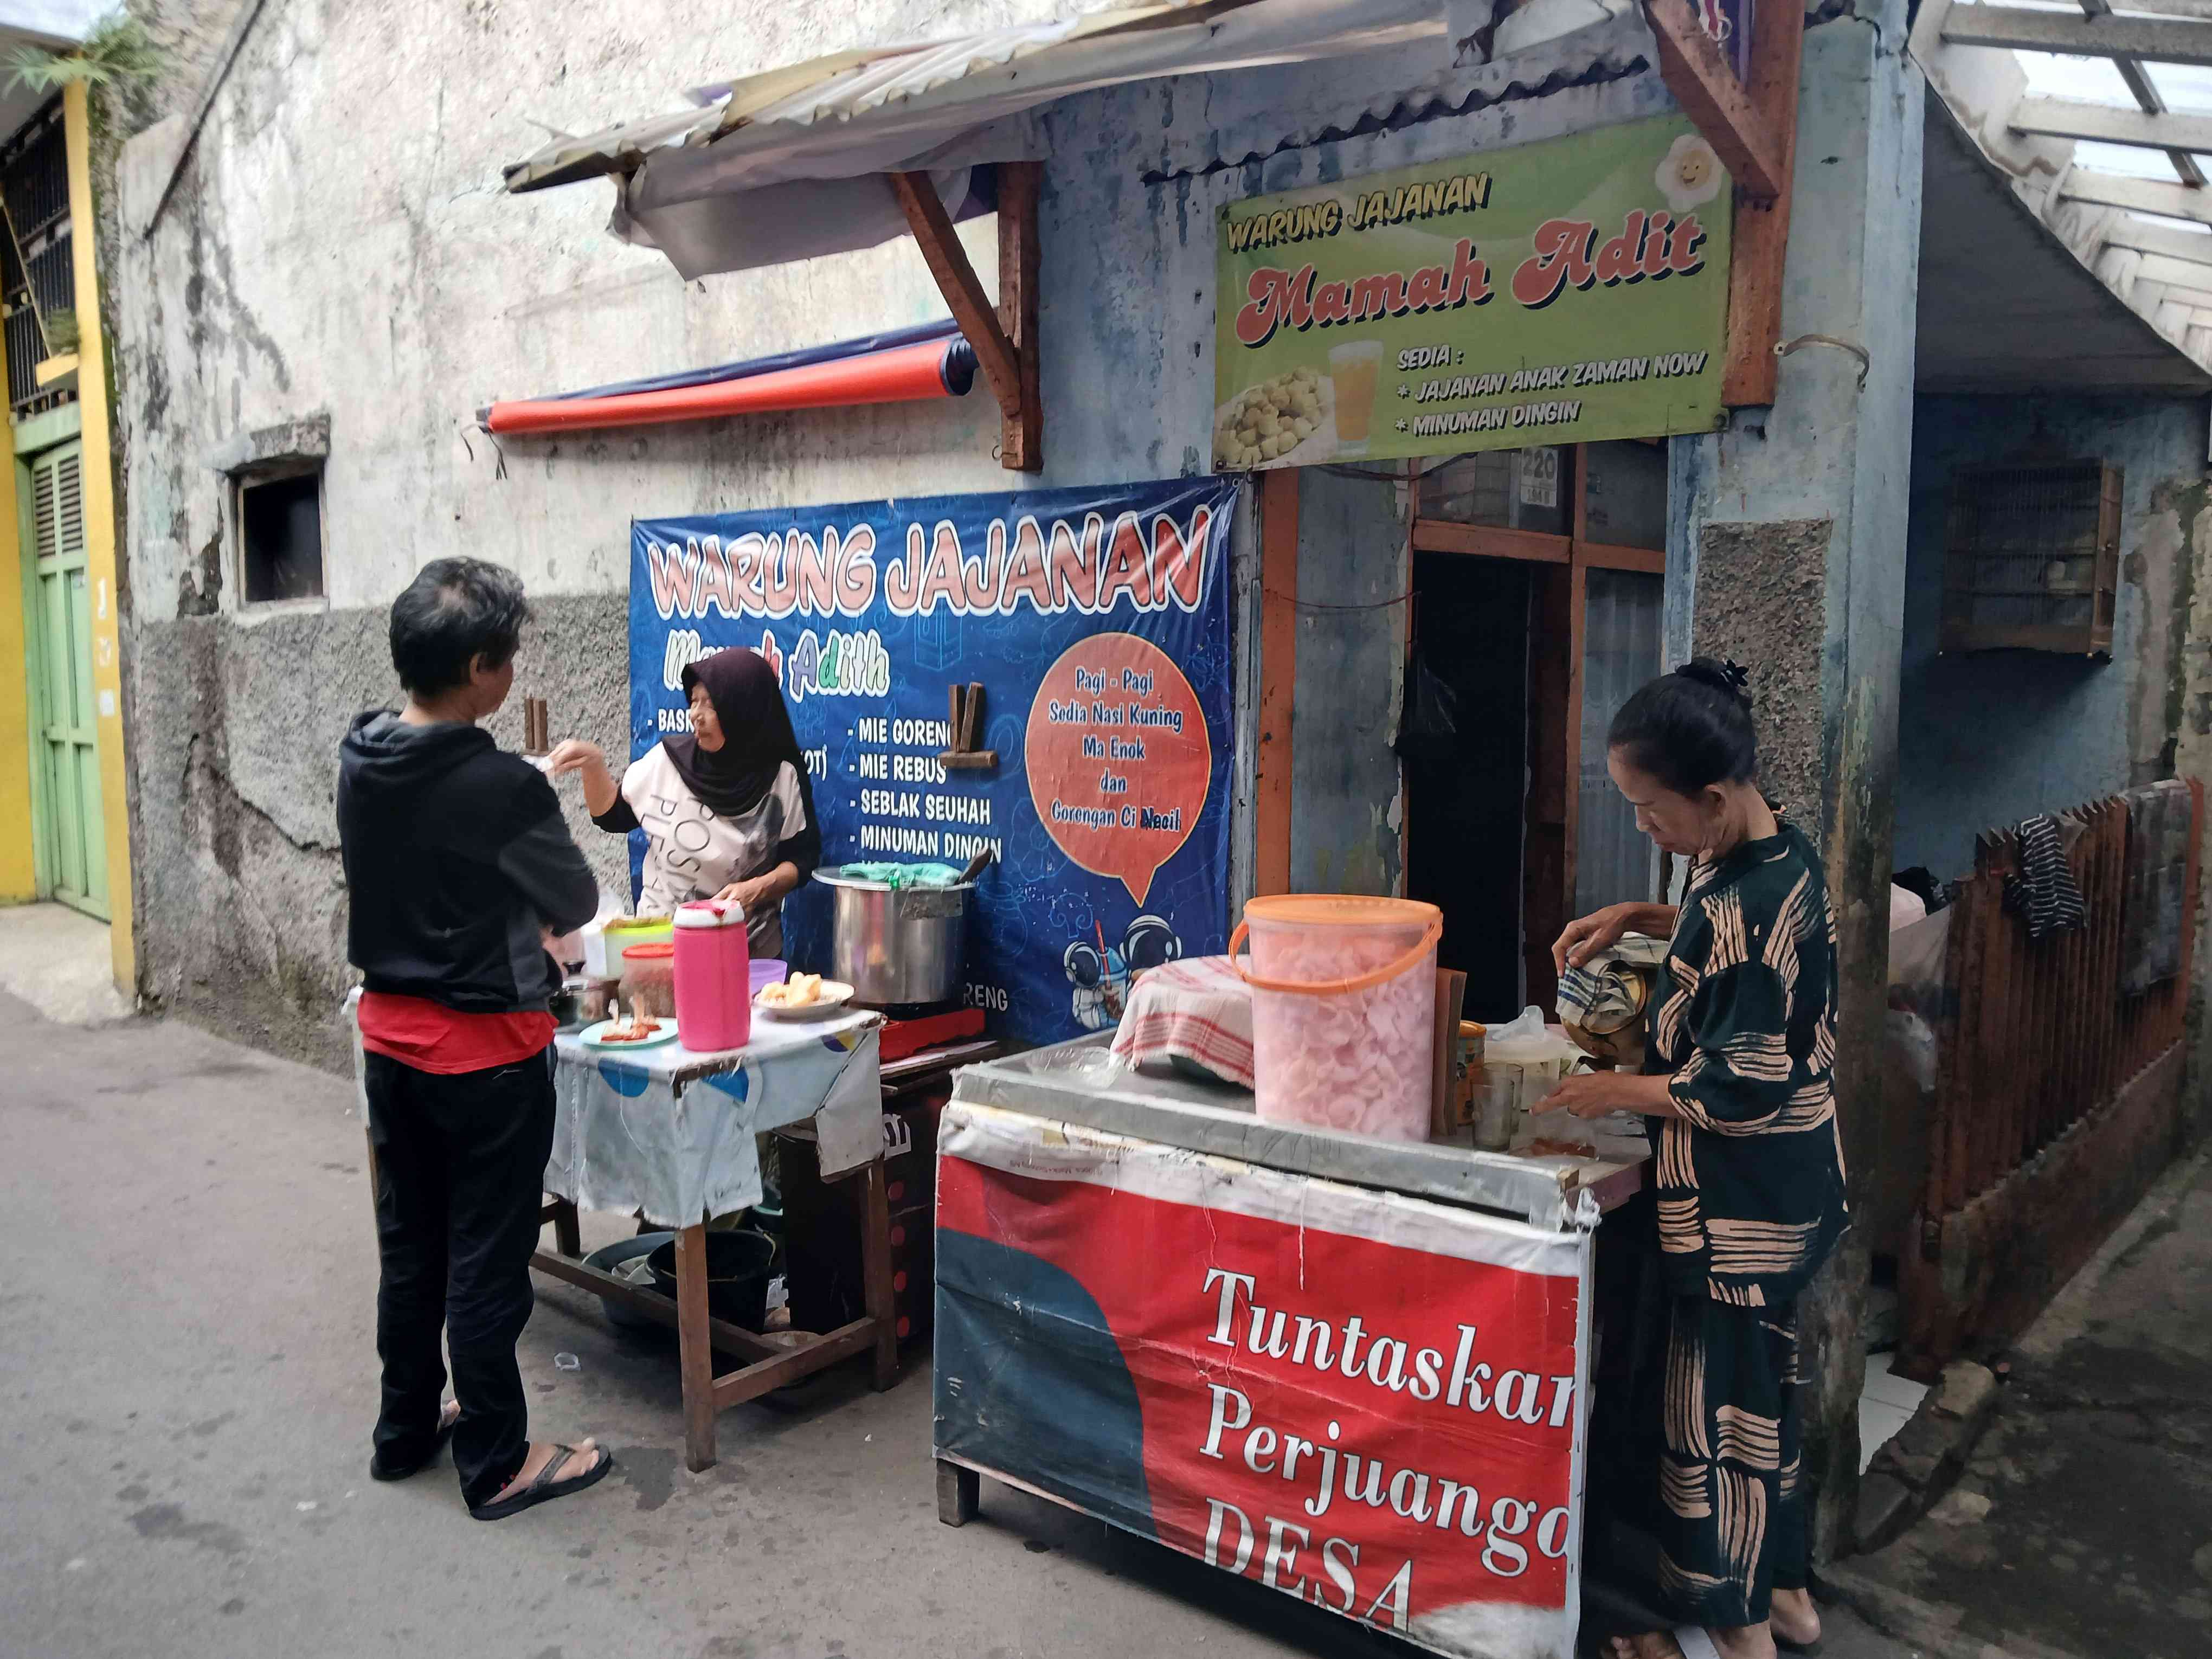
(1748, 1181)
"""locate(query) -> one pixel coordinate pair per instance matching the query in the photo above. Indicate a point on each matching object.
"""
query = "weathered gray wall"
(338, 244)
(2192, 758)
(1988, 738)
(1137, 177)
(1138, 174)
(1347, 798)
(1786, 545)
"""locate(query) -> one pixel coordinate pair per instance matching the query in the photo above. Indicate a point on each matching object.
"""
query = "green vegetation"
(119, 53)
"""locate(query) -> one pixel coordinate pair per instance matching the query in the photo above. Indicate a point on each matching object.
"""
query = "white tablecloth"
(669, 1133)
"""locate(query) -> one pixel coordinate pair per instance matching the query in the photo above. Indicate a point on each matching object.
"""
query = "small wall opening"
(280, 536)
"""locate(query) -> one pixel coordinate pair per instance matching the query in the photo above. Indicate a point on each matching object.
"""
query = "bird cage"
(2032, 560)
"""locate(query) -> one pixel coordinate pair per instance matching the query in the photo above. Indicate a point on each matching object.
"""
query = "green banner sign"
(1557, 293)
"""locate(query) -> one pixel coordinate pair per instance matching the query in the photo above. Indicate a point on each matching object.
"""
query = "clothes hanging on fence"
(2044, 890)
(2159, 819)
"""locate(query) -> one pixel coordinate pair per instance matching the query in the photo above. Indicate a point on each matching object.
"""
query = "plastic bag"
(1527, 1037)
(1428, 728)
(573, 951)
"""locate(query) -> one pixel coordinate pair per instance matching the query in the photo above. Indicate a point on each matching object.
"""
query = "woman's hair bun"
(1691, 728)
(1722, 674)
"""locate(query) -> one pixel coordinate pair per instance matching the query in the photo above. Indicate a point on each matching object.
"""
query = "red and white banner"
(1368, 1401)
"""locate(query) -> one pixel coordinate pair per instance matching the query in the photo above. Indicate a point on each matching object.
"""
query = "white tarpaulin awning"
(786, 165)
(880, 108)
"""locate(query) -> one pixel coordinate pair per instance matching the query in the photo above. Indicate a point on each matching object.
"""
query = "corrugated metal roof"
(892, 104)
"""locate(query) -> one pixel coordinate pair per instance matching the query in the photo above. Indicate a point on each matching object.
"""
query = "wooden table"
(660, 1154)
(670, 1134)
(768, 1364)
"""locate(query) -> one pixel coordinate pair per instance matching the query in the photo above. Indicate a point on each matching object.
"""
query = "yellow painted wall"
(18, 871)
(100, 541)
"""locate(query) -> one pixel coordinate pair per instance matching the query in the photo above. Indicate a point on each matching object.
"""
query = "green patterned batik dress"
(1749, 1190)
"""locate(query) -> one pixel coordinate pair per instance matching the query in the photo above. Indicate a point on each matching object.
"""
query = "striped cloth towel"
(1198, 1011)
(2044, 890)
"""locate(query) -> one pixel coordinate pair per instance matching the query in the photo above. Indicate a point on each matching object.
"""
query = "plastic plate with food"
(628, 1032)
(803, 996)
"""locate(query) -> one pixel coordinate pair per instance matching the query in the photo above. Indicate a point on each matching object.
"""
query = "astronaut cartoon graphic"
(1149, 943)
(1101, 982)
(1102, 974)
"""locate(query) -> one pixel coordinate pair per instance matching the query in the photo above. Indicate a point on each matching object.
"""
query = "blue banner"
(1097, 622)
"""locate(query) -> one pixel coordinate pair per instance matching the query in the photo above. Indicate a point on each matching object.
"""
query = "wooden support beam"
(2168, 239)
(2108, 124)
(2146, 95)
(2200, 10)
(1481, 541)
(1547, 855)
(2149, 293)
(1760, 241)
(2194, 274)
(2168, 201)
(1704, 84)
(1021, 444)
(1278, 674)
(2149, 39)
(964, 291)
(1603, 555)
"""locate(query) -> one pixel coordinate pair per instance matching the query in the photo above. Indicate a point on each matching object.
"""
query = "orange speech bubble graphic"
(1119, 758)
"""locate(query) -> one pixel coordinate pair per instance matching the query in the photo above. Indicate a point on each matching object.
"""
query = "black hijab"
(757, 743)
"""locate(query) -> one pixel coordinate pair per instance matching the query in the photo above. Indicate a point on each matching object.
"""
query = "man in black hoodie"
(457, 866)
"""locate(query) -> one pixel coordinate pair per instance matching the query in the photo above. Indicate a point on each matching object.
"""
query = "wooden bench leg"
(958, 1490)
(876, 1270)
(566, 1237)
(695, 1348)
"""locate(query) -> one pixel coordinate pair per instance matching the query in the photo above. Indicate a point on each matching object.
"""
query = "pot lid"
(711, 912)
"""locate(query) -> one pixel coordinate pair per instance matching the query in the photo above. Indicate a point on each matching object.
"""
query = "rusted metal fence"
(2039, 1034)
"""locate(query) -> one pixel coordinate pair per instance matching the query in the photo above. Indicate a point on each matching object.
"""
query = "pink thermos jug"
(714, 977)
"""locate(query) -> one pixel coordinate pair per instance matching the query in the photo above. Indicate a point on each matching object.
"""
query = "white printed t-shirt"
(693, 852)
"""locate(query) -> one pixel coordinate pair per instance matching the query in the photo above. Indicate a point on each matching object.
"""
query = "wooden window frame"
(2090, 639)
(1555, 697)
(278, 470)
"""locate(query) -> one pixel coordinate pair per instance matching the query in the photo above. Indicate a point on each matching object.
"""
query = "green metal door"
(71, 845)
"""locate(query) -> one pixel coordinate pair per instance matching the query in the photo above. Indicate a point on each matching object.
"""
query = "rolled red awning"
(932, 368)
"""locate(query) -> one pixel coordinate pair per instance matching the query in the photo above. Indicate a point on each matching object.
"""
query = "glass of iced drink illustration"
(1352, 369)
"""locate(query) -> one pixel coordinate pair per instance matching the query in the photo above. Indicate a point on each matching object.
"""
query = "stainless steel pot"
(896, 944)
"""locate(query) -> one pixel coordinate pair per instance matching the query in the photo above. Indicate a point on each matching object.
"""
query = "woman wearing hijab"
(727, 810)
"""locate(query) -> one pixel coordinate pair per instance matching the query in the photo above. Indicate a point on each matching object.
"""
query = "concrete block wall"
(236, 773)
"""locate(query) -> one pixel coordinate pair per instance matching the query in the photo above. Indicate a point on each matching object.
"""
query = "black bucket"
(737, 1266)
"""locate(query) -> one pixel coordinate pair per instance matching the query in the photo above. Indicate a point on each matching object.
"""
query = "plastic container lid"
(1338, 910)
(659, 950)
(711, 912)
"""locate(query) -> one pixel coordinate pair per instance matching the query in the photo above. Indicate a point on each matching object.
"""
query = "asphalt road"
(189, 1377)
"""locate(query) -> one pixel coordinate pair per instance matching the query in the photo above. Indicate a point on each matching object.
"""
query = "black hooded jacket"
(455, 855)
